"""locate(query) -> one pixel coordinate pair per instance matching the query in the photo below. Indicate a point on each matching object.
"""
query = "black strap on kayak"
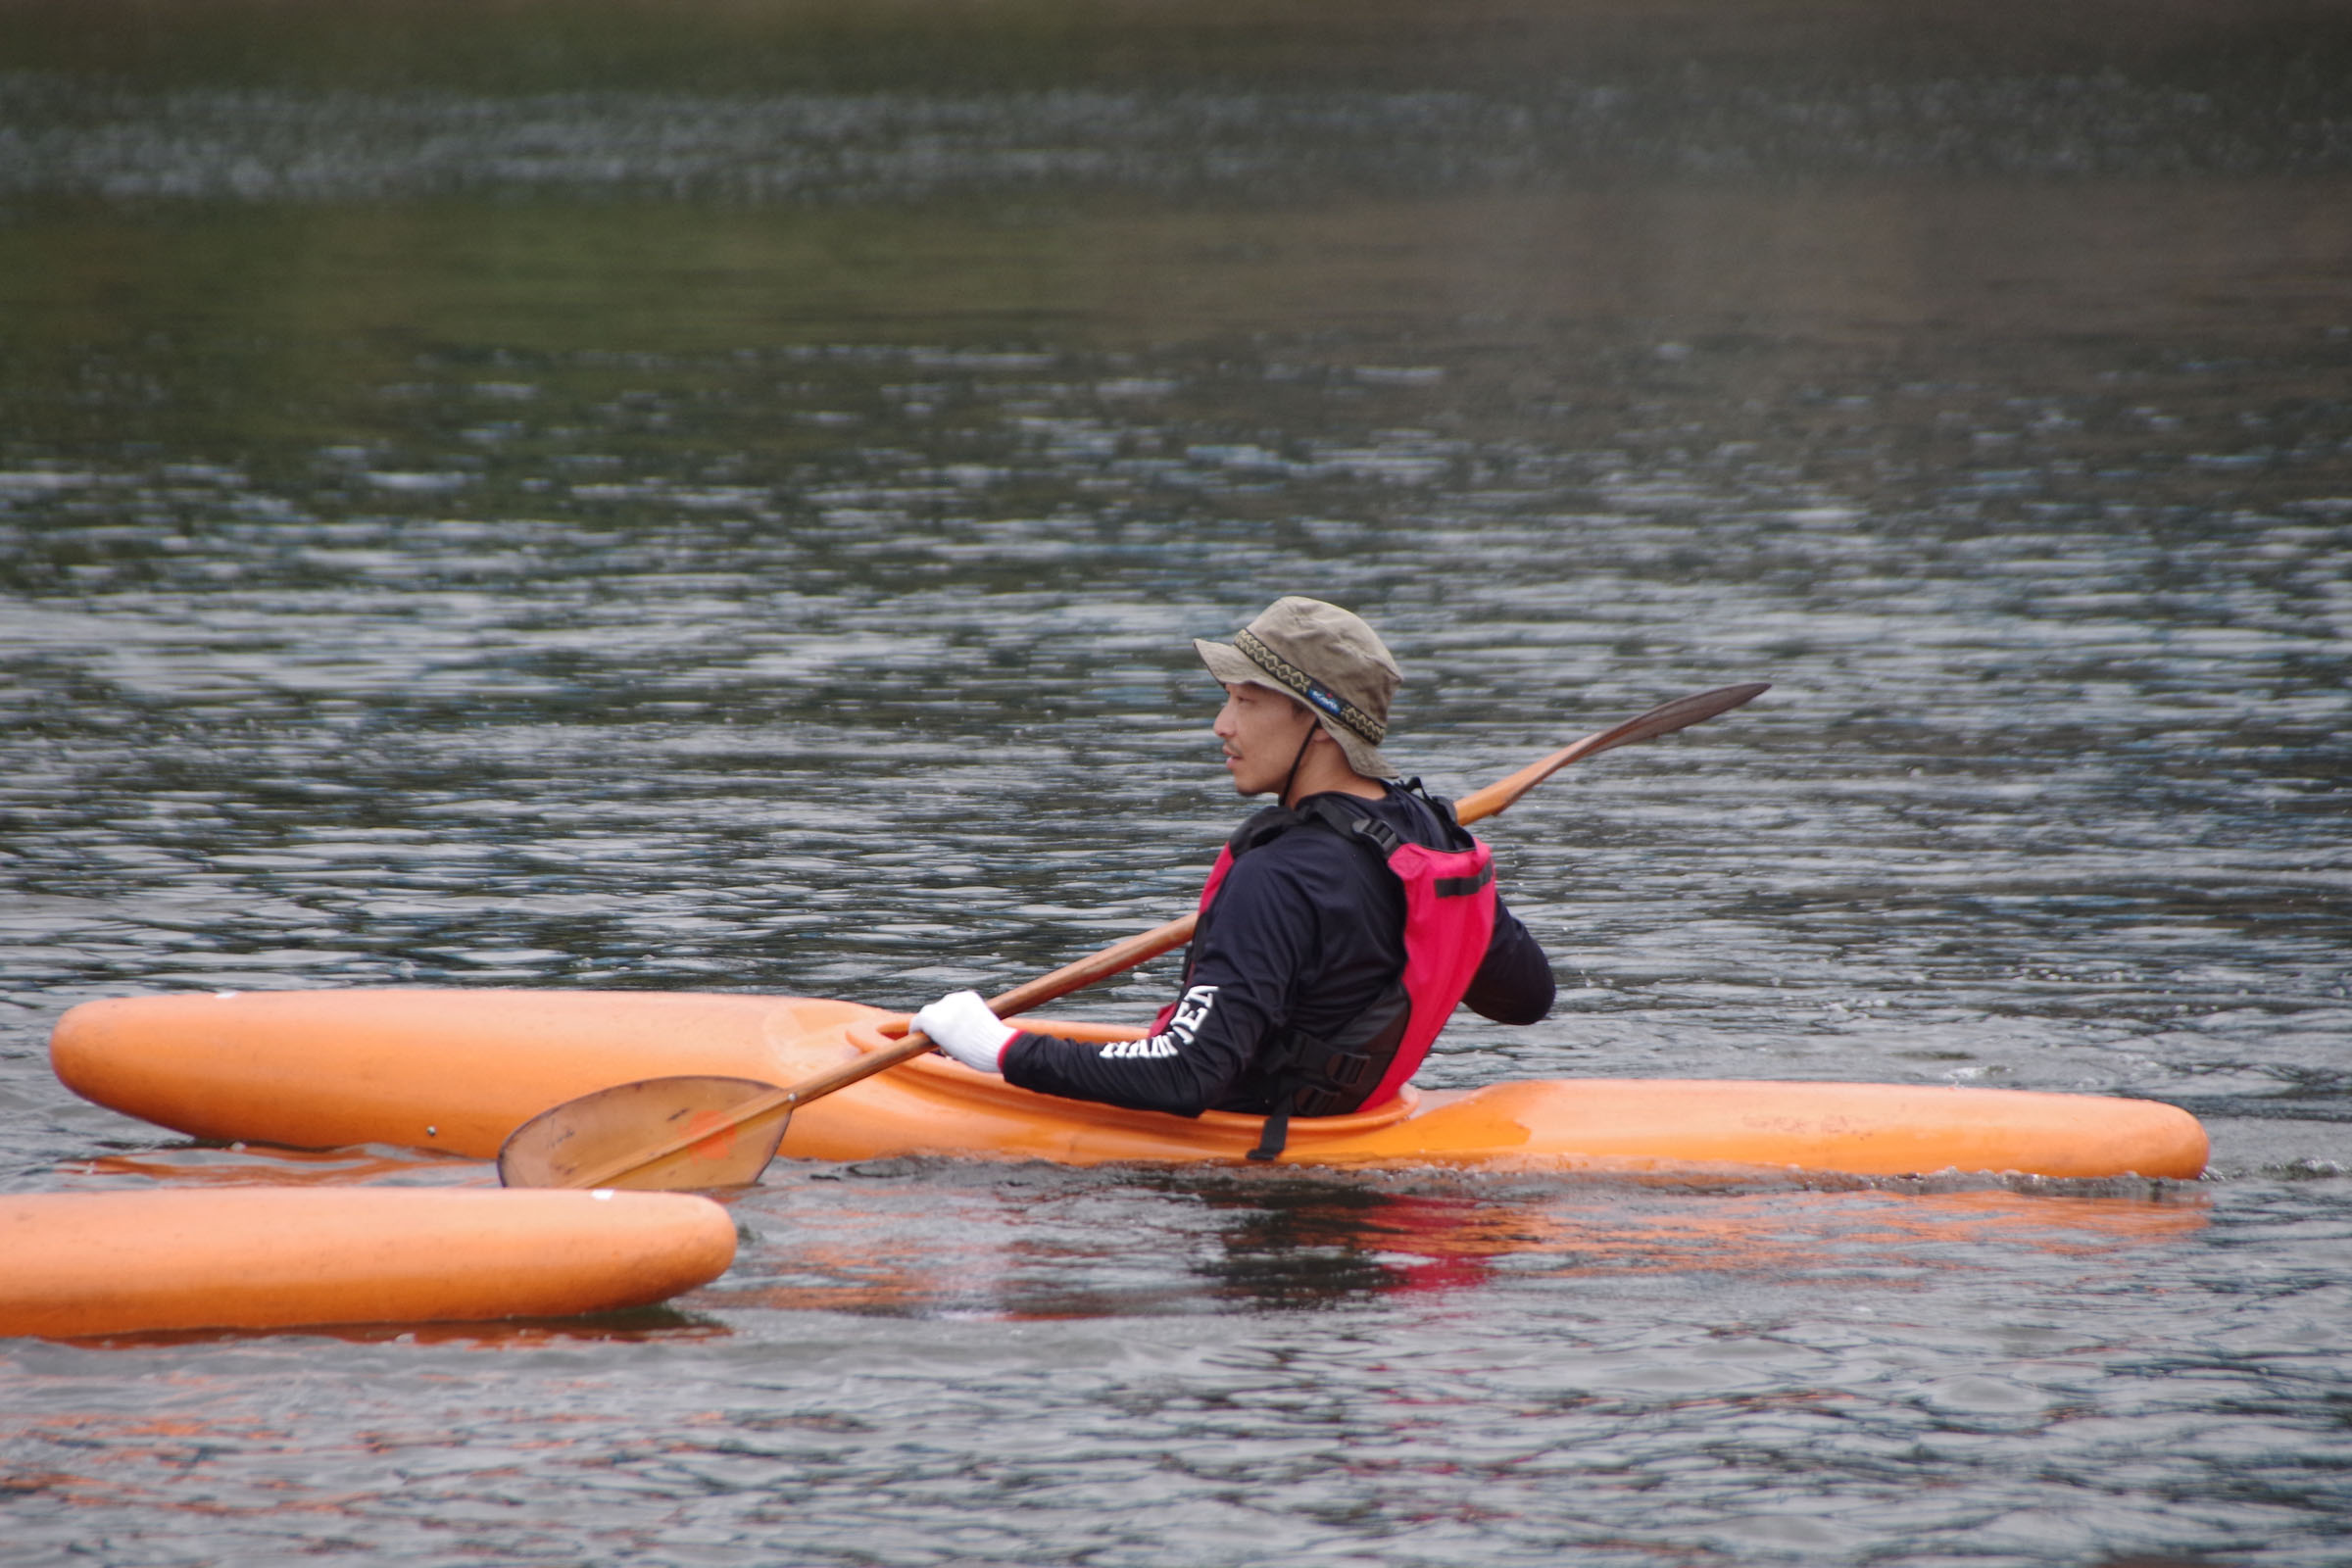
(1270, 1143)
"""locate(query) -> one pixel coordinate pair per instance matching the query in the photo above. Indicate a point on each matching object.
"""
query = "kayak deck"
(457, 1070)
(1598, 1124)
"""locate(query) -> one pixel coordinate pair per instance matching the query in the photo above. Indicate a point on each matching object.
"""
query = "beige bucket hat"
(1324, 656)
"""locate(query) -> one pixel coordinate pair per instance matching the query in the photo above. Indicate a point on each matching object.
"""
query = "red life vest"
(1448, 920)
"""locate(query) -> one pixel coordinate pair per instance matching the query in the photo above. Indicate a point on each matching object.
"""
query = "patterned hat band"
(1308, 689)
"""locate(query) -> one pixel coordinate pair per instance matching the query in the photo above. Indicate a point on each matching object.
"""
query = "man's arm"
(1513, 983)
(1238, 993)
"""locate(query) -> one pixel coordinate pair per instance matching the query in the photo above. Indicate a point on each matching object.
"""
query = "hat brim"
(1233, 667)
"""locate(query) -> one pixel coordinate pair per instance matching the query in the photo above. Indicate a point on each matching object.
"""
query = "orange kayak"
(264, 1257)
(458, 1070)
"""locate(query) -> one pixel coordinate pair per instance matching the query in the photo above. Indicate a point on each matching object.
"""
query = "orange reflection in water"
(1247, 1244)
(245, 1165)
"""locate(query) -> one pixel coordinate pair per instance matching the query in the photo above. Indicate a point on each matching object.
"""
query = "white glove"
(961, 1024)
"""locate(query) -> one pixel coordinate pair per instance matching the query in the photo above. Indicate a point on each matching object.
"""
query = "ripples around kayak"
(690, 509)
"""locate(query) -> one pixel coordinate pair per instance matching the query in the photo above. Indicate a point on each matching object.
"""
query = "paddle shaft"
(1145, 946)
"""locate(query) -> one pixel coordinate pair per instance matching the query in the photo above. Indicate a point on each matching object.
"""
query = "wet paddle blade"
(573, 1143)
(1663, 719)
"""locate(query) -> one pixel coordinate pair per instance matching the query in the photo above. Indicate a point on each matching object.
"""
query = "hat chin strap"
(1313, 729)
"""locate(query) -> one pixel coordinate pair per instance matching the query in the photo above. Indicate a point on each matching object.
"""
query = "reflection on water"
(536, 495)
(637, 1326)
(239, 1166)
(908, 1240)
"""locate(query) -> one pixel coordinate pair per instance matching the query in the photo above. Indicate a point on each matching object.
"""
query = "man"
(1338, 930)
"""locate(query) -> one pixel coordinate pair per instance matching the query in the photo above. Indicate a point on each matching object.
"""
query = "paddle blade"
(1664, 720)
(571, 1144)
(1681, 714)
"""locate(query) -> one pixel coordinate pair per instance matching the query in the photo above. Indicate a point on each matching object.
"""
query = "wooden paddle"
(721, 1132)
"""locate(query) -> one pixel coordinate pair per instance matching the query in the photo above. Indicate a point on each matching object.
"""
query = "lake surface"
(719, 498)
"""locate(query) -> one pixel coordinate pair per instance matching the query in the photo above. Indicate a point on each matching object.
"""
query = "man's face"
(1262, 731)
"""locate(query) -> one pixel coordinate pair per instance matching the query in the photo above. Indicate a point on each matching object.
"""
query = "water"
(532, 498)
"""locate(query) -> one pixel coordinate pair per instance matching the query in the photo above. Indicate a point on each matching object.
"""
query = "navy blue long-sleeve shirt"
(1308, 931)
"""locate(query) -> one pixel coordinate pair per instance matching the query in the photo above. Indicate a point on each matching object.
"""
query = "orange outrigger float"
(459, 1070)
(82, 1264)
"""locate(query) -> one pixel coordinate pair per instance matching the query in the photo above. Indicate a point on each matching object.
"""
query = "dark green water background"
(718, 496)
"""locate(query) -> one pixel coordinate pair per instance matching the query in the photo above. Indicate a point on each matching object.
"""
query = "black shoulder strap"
(1354, 822)
(1260, 827)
